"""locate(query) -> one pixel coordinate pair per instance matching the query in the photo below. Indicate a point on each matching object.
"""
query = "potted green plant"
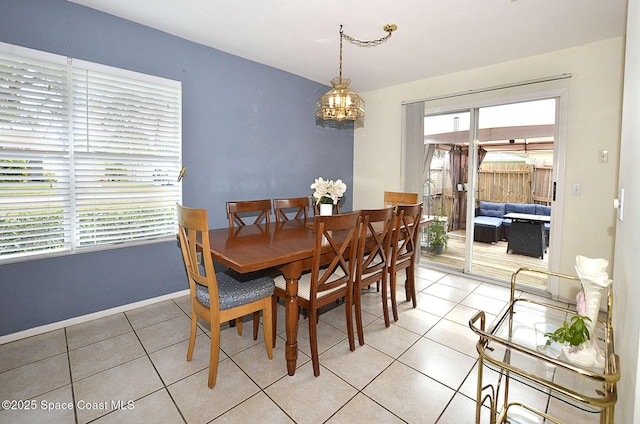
(438, 236)
(574, 335)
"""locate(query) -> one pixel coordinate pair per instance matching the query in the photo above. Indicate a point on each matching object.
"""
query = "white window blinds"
(89, 156)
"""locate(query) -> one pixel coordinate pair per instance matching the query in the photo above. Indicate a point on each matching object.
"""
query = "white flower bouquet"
(328, 191)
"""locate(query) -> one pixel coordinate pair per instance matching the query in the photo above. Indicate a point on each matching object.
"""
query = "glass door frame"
(559, 152)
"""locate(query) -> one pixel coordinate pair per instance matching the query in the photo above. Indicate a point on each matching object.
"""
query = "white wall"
(626, 318)
(594, 108)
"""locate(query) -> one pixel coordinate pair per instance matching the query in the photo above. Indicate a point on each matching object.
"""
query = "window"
(89, 155)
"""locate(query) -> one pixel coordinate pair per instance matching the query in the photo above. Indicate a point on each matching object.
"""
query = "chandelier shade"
(340, 103)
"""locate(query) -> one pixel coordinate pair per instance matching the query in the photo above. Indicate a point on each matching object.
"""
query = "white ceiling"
(434, 37)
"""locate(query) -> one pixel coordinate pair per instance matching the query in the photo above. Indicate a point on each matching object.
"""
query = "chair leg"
(411, 285)
(214, 354)
(267, 324)
(357, 299)
(313, 340)
(392, 289)
(192, 334)
(274, 318)
(385, 301)
(256, 324)
(239, 325)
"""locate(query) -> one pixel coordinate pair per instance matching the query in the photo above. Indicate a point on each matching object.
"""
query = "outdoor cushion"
(528, 208)
(491, 209)
(543, 210)
(487, 221)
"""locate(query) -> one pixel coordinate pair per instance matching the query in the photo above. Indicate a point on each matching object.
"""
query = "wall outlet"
(576, 189)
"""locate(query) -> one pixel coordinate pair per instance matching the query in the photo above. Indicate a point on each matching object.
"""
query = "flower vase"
(326, 209)
(595, 282)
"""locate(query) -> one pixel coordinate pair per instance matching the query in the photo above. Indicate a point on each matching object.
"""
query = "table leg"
(291, 274)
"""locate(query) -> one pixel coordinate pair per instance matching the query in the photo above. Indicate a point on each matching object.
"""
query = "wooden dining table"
(287, 246)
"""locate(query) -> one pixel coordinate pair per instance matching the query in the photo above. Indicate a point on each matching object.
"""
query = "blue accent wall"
(249, 132)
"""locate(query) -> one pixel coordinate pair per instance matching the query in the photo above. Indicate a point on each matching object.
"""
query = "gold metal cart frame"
(498, 348)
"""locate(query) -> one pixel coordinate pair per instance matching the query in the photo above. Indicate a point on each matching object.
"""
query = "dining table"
(286, 246)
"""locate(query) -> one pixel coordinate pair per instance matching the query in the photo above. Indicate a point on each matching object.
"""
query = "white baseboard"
(84, 318)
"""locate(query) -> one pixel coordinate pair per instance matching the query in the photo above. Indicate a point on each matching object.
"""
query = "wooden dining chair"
(373, 259)
(331, 276)
(236, 211)
(404, 247)
(297, 205)
(217, 297)
(260, 209)
(395, 198)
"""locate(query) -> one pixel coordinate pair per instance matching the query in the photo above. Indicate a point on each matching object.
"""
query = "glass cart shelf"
(511, 347)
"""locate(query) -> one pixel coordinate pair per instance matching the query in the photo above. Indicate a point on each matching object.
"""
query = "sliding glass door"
(500, 157)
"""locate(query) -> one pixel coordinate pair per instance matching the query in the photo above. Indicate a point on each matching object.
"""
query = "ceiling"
(434, 37)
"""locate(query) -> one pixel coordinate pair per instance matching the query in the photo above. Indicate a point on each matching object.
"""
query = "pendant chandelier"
(340, 103)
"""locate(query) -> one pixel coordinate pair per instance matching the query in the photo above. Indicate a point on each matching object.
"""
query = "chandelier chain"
(362, 43)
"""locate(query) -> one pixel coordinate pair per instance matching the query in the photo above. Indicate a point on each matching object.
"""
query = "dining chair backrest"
(373, 258)
(218, 297)
(243, 209)
(405, 241)
(336, 236)
(299, 205)
(395, 198)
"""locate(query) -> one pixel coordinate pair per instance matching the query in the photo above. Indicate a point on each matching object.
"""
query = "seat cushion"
(487, 221)
(491, 209)
(304, 284)
(234, 293)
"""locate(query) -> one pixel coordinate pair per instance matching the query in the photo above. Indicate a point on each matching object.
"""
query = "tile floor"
(131, 367)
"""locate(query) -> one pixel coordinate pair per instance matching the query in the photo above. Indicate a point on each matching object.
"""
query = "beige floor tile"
(484, 303)
(358, 367)
(409, 394)
(255, 362)
(184, 303)
(456, 336)
(127, 382)
(55, 406)
(429, 274)
(495, 291)
(362, 410)
(461, 409)
(34, 379)
(256, 409)
(153, 314)
(461, 314)
(25, 351)
(327, 393)
(157, 406)
(200, 404)
(439, 362)
(393, 340)
(165, 333)
(171, 362)
(460, 281)
(328, 336)
(452, 294)
(97, 330)
(416, 320)
(97, 357)
(434, 305)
